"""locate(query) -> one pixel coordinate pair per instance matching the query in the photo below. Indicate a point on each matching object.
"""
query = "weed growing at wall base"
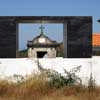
(48, 85)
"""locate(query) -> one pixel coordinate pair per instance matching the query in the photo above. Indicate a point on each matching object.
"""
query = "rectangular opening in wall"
(33, 37)
(42, 54)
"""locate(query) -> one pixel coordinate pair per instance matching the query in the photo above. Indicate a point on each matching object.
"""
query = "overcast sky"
(51, 8)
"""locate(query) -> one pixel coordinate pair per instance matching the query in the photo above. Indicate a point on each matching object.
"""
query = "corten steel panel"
(79, 38)
(77, 34)
(7, 37)
(65, 39)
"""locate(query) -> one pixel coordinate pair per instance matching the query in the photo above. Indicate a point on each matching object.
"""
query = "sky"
(28, 31)
(52, 8)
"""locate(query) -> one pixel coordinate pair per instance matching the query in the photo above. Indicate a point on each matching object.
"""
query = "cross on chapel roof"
(41, 28)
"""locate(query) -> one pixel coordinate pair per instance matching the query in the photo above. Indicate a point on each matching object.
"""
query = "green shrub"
(58, 80)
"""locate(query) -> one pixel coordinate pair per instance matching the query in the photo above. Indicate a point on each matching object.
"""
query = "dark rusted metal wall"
(79, 37)
(77, 34)
(7, 37)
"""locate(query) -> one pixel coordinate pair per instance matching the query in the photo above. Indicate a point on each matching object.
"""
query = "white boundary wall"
(26, 66)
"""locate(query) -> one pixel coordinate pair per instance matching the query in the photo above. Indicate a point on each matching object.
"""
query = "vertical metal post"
(17, 40)
(65, 39)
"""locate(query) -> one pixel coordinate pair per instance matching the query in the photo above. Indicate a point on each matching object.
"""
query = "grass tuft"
(38, 87)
